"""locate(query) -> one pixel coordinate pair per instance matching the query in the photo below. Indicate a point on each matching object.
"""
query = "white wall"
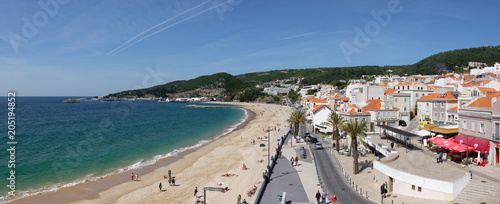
(431, 188)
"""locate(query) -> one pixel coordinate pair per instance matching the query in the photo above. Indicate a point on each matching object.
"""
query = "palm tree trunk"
(355, 155)
(337, 140)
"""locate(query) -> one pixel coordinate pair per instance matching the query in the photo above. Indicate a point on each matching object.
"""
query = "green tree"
(355, 129)
(294, 96)
(297, 118)
(336, 122)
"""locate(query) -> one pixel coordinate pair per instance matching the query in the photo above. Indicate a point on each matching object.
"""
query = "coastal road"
(332, 178)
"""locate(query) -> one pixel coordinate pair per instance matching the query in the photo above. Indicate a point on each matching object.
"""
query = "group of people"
(321, 198)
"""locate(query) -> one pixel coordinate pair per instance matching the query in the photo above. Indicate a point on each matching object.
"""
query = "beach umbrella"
(262, 145)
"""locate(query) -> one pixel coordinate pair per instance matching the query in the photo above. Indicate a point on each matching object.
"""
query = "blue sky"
(97, 47)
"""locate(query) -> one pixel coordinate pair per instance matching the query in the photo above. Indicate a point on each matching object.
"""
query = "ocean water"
(61, 144)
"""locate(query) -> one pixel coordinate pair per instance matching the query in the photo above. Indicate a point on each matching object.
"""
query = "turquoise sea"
(61, 144)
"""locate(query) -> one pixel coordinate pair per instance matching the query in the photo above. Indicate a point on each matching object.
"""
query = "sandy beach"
(202, 167)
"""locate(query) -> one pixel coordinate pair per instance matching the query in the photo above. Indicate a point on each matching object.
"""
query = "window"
(395, 99)
(435, 115)
(416, 95)
(464, 125)
(404, 108)
(441, 117)
(405, 99)
(472, 126)
(481, 128)
(412, 187)
(442, 104)
(435, 105)
(419, 189)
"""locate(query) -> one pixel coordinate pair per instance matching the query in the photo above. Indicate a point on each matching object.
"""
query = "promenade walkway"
(294, 180)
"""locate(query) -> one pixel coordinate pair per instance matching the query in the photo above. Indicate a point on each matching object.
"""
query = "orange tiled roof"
(429, 97)
(481, 103)
(486, 90)
(453, 109)
(389, 91)
(318, 107)
(494, 94)
(373, 104)
(318, 100)
(405, 84)
(344, 99)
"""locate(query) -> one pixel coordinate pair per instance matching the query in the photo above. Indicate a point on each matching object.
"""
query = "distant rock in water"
(77, 100)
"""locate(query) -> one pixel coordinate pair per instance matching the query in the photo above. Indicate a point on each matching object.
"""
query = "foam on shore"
(140, 164)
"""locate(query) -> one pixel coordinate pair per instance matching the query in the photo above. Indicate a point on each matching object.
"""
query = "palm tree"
(355, 129)
(336, 122)
(297, 118)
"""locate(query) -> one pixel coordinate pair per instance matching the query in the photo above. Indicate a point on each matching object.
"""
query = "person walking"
(239, 199)
(291, 160)
(323, 197)
(334, 199)
(169, 174)
(385, 189)
(296, 161)
(132, 176)
(440, 157)
(382, 191)
(196, 191)
(318, 196)
(160, 186)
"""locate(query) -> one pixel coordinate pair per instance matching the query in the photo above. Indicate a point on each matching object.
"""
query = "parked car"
(318, 145)
(402, 123)
(307, 134)
(313, 139)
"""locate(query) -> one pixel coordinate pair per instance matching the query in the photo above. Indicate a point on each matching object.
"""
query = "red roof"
(318, 107)
(481, 103)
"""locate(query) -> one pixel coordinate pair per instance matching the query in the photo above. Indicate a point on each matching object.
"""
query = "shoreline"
(87, 191)
(94, 182)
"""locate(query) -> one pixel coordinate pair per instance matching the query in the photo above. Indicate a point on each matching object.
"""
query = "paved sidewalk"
(299, 182)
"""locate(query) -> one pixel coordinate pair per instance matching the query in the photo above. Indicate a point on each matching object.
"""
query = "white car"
(318, 145)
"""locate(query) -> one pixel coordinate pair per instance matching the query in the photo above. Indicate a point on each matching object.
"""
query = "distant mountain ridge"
(224, 84)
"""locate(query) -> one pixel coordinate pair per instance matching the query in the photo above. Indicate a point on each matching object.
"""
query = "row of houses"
(467, 102)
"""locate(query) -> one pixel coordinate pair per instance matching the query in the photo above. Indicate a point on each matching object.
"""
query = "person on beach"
(173, 181)
(169, 175)
(132, 176)
(244, 167)
(196, 192)
(160, 186)
(136, 177)
(318, 196)
(239, 199)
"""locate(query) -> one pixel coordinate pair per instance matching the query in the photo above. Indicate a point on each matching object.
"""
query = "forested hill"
(223, 84)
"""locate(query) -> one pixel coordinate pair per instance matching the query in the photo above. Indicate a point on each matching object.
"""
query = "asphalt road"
(332, 178)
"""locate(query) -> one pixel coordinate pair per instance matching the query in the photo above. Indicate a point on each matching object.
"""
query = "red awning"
(461, 148)
(436, 140)
(478, 144)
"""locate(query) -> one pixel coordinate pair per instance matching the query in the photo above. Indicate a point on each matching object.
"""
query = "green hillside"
(224, 81)
(233, 85)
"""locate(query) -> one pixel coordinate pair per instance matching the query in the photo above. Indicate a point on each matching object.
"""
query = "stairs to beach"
(479, 191)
